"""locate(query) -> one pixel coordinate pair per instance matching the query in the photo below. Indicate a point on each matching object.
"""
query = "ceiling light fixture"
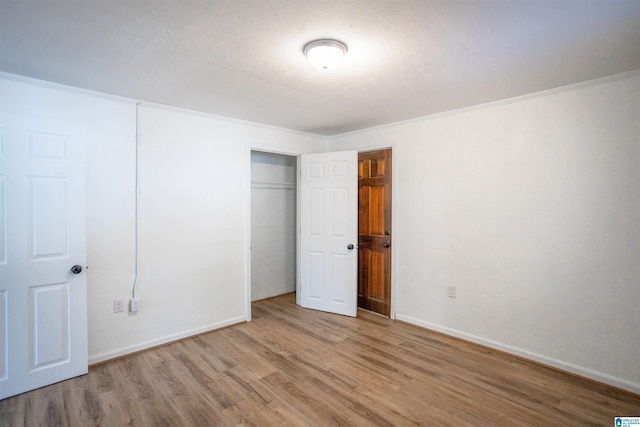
(325, 54)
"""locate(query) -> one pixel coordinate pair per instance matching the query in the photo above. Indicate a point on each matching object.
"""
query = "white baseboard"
(539, 358)
(98, 358)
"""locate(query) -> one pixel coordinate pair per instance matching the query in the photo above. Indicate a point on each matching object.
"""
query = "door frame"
(297, 154)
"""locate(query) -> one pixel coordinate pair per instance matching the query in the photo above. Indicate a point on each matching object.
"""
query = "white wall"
(273, 225)
(532, 209)
(193, 224)
(193, 211)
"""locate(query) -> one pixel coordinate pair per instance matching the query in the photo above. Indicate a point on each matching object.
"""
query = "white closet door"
(329, 232)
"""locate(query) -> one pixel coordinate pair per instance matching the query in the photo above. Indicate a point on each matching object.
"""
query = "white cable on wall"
(137, 191)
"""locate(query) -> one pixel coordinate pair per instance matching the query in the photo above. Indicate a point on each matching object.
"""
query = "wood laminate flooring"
(298, 367)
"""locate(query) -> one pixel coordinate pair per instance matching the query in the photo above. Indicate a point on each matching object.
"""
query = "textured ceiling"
(243, 58)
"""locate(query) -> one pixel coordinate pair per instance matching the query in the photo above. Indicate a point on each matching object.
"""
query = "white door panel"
(3, 335)
(43, 318)
(3, 207)
(329, 224)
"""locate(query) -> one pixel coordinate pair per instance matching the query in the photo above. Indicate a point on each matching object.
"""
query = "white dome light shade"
(325, 54)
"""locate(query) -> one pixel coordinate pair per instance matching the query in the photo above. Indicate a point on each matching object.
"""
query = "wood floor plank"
(296, 367)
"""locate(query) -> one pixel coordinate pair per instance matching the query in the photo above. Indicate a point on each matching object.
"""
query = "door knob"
(386, 244)
(76, 269)
(350, 247)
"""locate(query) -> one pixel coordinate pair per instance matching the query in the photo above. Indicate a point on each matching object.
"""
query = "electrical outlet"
(118, 305)
(451, 291)
(135, 304)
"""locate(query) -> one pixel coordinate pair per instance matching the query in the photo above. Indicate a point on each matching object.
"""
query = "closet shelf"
(274, 185)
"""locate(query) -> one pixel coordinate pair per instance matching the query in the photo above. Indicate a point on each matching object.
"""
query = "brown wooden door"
(374, 231)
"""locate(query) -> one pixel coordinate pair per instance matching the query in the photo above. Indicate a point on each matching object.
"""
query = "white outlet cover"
(118, 305)
(135, 304)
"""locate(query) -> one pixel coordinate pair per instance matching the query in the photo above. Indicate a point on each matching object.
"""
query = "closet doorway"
(273, 224)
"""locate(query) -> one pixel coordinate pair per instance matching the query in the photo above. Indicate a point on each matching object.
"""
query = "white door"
(329, 232)
(43, 314)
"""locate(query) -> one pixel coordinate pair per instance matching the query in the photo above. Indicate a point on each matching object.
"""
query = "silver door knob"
(76, 269)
